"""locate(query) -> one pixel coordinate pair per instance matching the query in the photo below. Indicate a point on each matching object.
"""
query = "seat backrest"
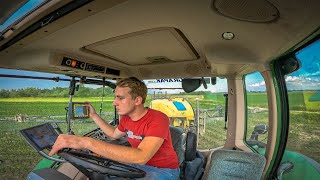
(191, 162)
(233, 164)
(178, 138)
(191, 146)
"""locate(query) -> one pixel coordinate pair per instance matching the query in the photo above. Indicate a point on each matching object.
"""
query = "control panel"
(73, 63)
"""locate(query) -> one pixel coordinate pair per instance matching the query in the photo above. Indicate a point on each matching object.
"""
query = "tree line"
(64, 92)
(55, 92)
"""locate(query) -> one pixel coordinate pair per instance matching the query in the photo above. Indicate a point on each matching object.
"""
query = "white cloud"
(292, 78)
(260, 84)
(302, 83)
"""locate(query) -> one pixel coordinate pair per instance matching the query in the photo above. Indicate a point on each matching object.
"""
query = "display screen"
(80, 110)
(40, 137)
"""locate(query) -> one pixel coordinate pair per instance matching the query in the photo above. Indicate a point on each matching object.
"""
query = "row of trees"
(64, 92)
(55, 92)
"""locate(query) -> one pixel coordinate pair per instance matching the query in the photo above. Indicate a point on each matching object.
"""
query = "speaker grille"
(260, 11)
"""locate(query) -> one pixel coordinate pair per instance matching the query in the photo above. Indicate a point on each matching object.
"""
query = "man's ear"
(138, 100)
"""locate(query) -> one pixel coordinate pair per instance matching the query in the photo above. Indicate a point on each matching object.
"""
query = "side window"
(304, 105)
(257, 112)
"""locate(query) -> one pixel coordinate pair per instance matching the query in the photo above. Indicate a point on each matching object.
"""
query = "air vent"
(158, 59)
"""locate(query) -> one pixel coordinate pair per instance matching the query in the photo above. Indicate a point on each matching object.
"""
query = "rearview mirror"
(190, 85)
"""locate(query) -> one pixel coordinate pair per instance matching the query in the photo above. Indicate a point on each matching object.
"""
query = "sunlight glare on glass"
(29, 6)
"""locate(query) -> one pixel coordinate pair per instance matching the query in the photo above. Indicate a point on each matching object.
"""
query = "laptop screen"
(40, 137)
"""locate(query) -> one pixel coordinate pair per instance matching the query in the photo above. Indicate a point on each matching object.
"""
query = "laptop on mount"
(40, 137)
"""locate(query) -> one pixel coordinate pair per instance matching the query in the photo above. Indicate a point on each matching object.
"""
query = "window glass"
(304, 103)
(29, 102)
(167, 96)
(22, 11)
(257, 112)
(47, 100)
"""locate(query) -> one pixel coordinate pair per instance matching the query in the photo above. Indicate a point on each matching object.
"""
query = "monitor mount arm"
(72, 88)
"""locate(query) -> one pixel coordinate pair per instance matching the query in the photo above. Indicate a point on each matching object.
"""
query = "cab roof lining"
(79, 34)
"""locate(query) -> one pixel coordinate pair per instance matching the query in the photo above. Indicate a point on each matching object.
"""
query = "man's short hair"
(137, 87)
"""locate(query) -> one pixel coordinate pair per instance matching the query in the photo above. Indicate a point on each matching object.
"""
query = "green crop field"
(44, 106)
(17, 159)
(298, 100)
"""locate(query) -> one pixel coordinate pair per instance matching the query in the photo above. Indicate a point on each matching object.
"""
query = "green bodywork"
(303, 167)
(46, 163)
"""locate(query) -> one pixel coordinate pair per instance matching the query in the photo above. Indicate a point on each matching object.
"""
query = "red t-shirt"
(153, 123)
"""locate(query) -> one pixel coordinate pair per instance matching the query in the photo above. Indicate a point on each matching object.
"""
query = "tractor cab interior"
(41, 139)
(261, 57)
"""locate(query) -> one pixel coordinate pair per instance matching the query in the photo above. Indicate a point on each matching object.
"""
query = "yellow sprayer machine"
(178, 109)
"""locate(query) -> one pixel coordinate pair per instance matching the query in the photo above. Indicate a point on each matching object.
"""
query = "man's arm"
(107, 128)
(140, 155)
(104, 126)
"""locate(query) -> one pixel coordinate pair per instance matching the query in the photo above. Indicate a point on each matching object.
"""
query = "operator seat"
(234, 164)
(185, 145)
(178, 140)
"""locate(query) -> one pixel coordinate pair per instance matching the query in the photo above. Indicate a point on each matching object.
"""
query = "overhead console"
(68, 64)
(77, 64)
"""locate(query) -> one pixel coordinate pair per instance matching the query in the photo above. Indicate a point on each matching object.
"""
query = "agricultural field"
(44, 106)
(17, 159)
(298, 100)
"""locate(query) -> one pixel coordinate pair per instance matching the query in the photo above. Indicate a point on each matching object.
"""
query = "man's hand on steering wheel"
(90, 164)
(94, 167)
(68, 141)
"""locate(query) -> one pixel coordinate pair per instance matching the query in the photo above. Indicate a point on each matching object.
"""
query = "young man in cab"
(147, 130)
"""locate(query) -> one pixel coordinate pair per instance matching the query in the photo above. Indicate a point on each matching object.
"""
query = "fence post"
(197, 119)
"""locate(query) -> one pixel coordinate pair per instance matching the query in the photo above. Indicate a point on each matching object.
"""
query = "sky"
(308, 77)
(14, 83)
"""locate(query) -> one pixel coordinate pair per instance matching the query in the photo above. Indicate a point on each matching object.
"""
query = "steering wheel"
(97, 167)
